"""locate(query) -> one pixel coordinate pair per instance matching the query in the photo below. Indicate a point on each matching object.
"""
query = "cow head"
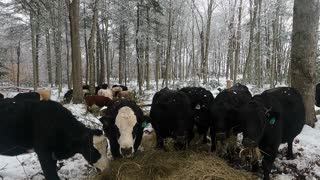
(122, 132)
(221, 120)
(126, 122)
(94, 149)
(255, 118)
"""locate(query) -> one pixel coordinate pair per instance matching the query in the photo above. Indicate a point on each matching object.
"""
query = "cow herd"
(266, 120)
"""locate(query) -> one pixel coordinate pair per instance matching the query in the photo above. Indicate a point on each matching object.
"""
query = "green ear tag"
(144, 124)
(272, 121)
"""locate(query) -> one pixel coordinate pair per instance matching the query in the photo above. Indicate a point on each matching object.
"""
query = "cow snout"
(221, 136)
(126, 152)
(180, 142)
(249, 142)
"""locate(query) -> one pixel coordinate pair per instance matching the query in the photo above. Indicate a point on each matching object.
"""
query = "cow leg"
(160, 143)
(267, 163)
(205, 140)
(48, 165)
(290, 153)
(213, 139)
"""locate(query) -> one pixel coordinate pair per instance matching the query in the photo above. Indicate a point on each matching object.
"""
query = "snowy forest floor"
(306, 146)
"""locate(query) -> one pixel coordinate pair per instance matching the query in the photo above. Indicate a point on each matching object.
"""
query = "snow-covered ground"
(306, 147)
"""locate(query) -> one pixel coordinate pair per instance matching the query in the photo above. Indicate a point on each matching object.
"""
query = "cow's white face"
(100, 144)
(125, 121)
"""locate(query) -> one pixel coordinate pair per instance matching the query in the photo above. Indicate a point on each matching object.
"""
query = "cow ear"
(271, 116)
(96, 132)
(145, 121)
(104, 121)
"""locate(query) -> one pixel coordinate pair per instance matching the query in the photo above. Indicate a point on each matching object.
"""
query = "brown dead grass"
(173, 165)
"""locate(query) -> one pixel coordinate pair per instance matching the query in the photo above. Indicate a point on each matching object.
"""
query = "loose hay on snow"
(172, 165)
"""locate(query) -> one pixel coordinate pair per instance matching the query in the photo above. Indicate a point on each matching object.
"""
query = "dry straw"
(175, 165)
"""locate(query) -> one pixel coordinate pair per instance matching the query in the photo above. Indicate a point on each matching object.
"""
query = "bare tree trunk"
(86, 44)
(37, 46)
(106, 41)
(139, 48)
(97, 51)
(207, 41)
(33, 45)
(56, 21)
(229, 68)
(258, 48)
(68, 56)
(75, 50)
(147, 52)
(237, 55)
(248, 63)
(18, 63)
(121, 52)
(91, 49)
(102, 63)
(304, 53)
(275, 24)
(168, 55)
(48, 47)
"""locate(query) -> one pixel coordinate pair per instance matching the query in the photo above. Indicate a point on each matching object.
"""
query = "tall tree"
(304, 52)
(207, 41)
(48, 49)
(237, 54)
(91, 49)
(75, 50)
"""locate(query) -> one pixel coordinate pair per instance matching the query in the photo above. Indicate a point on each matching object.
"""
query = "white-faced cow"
(276, 116)
(51, 131)
(123, 123)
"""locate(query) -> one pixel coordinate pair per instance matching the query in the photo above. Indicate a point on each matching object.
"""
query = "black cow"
(85, 87)
(123, 123)
(104, 86)
(28, 96)
(51, 131)
(201, 100)
(68, 96)
(318, 95)
(276, 116)
(1, 96)
(124, 88)
(222, 120)
(171, 116)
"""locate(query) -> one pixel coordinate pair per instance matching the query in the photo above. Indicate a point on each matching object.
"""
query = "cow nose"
(221, 136)
(126, 151)
(180, 139)
(249, 142)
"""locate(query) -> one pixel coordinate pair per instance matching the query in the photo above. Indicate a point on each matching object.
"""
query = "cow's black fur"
(104, 86)
(48, 128)
(201, 100)
(124, 88)
(1, 96)
(112, 131)
(28, 96)
(318, 95)
(68, 96)
(276, 116)
(171, 116)
(222, 121)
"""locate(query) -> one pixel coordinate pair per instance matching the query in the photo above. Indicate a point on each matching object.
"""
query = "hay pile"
(172, 165)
